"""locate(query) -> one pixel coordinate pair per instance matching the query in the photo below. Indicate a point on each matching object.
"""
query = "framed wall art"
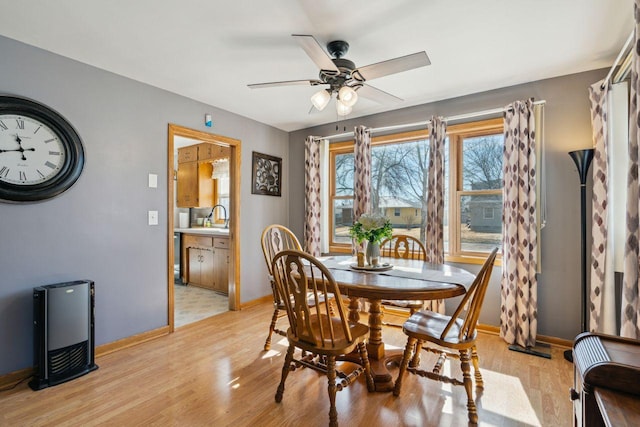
(266, 176)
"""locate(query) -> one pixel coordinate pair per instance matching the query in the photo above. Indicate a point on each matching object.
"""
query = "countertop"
(210, 231)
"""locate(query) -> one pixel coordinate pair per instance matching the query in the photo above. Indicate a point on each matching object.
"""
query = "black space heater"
(63, 332)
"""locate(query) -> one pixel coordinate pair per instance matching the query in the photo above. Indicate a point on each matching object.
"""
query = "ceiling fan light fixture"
(347, 96)
(320, 99)
(342, 109)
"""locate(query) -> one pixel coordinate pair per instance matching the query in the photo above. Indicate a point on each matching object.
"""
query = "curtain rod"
(426, 122)
(626, 46)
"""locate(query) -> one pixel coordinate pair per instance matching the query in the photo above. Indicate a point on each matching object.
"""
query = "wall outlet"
(153, 217)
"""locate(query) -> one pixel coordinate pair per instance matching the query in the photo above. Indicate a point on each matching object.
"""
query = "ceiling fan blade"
(377, 95)
(286, 83)
(316, 52)
(392, 66)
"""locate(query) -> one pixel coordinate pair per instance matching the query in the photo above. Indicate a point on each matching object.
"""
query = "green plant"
(372, 228)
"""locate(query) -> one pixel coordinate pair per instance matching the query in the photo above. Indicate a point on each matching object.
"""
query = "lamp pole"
(582, 159)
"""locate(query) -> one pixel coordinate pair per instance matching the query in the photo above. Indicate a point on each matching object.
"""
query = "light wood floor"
(214, 373)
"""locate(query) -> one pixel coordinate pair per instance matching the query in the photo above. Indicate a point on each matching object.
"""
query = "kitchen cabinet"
(201, 267)
(194, 185)
(212, 152)
(206, 261)
(221, 264)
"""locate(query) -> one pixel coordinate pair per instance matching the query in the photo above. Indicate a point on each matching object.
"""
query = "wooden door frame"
(234, 211)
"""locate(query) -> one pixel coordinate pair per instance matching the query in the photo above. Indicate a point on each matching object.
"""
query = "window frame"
(455, 134)
(346, 147)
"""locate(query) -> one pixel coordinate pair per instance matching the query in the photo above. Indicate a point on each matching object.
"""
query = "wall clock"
(41, 154)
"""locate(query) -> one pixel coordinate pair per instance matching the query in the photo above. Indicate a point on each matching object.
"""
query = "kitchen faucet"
(224, 211)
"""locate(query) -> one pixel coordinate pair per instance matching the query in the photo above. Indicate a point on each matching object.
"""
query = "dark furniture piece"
(63, 322)
(606, 379)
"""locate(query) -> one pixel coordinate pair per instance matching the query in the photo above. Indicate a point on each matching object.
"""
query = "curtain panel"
(434, 233)
(362, 176)
(602, 277)
(362, 173)
(312, 196)
(518, 317)
(630, 320)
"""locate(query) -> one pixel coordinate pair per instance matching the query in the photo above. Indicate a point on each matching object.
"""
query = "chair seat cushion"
(339, 344)
(427, 325)
(417, 304)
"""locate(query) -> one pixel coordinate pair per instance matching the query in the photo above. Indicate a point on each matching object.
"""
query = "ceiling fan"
(342, 76)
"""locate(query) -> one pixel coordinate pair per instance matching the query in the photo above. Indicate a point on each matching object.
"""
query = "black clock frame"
(74, 156)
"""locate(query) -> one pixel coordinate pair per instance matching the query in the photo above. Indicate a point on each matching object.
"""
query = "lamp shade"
(320, 99)
(348, 96)
(342, 109)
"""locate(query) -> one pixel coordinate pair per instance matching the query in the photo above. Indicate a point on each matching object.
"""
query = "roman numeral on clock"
(4, 171)
(23, 175)
(3, 126)
(20, 124)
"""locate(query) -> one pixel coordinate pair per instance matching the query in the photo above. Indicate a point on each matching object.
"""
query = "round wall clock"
(41, 154)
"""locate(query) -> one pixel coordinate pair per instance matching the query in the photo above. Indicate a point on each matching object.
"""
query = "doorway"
(176, 135)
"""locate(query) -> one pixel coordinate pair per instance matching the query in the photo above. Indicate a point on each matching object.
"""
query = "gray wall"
(568, 128)
(97, 230)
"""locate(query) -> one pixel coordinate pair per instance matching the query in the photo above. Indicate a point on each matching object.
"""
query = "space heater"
(63, 332)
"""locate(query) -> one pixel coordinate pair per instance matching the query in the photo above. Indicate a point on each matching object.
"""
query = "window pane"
(342, 220)
(344, 174)
(481, 222)
(446, 195)
(482, 162)
(398, 184)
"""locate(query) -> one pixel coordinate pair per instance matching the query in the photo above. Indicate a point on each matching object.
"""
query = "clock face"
(30, 152)
(41, 154)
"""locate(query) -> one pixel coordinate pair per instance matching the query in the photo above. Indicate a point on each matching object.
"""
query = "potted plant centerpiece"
(372, 228)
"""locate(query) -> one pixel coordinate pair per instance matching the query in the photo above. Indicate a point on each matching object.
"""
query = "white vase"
(373, 253)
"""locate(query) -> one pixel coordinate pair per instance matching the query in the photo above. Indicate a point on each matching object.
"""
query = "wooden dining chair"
(456, 332)
(313, 328)
(276, 238)
(403, 246)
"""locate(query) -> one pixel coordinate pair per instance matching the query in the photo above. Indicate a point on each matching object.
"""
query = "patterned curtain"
(362, 174)
(518, 317)
(312, 196)
(434, 236)
(600, 318)
(630, 316)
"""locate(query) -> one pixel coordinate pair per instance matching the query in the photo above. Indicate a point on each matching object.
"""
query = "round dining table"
(392, 279)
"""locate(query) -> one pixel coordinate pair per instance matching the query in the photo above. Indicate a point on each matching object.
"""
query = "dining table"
(391, 279)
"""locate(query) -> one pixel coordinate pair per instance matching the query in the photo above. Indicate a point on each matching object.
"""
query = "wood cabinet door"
(187, 185)
(221, 269)
(188, 154)
(193, 265)
(207, 268)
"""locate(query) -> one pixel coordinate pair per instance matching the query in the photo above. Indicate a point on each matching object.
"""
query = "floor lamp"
(582, 159)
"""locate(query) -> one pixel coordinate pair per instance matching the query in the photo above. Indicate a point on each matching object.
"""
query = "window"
(475, 187)
(399, 164)
(473, 181)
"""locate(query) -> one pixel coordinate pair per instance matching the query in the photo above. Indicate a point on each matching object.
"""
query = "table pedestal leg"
(375, 347)
(354, 309)
(378, 358)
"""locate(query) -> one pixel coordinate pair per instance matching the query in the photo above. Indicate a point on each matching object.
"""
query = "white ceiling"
(209, 50)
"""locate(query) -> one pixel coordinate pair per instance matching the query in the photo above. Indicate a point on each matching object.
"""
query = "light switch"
(153, 217)
(153, 180)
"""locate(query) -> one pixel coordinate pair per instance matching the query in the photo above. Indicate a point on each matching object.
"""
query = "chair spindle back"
(308, 283)
(472, 301)
(403, 246)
